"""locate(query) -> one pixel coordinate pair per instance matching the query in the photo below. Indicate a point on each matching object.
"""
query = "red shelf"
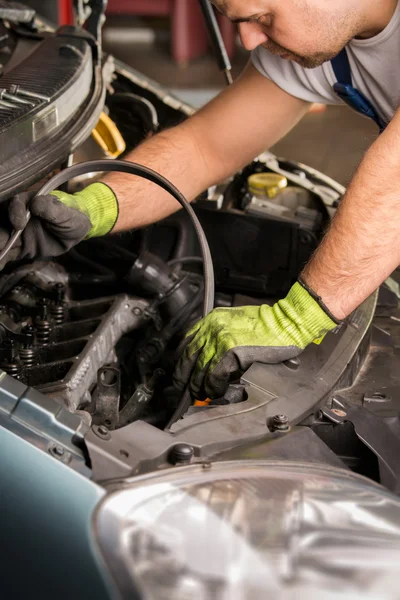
(189, 35)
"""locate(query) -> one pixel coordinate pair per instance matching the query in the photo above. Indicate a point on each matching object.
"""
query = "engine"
(96, 331)
(98, 328)
(96, 337)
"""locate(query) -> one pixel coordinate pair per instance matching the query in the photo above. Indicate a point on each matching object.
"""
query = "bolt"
(280, 423)
(292, 363)
(6, 104)
(43, 308)
(12, 98)
(59, 289)
(181, 454)
(29, 329)
(16, 89)
(377, 397)
(58, 450)
(102, 432)
(338, 412)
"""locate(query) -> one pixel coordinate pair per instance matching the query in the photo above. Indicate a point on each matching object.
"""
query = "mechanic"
(294, 44)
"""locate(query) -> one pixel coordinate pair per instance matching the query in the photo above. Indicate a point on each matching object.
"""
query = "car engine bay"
(88, 341)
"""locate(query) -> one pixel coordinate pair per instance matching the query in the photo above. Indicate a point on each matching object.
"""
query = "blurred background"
(167, 41)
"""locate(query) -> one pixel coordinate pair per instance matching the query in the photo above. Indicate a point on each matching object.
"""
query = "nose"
(252, 35)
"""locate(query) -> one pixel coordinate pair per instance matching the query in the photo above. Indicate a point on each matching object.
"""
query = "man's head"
(309, 32)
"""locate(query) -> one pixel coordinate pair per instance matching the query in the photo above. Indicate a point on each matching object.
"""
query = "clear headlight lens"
(250, 530)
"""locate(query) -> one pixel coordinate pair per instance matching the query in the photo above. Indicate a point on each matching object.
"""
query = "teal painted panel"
(47, 548)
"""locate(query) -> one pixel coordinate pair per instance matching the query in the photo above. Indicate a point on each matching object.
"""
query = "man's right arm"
(243, 121)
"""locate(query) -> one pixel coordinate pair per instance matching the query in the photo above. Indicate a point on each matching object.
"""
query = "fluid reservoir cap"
(266, 184)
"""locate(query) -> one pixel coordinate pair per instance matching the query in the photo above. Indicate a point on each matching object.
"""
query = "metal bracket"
(42, 422)
(107, 396)
(375, 433)
(91, 14)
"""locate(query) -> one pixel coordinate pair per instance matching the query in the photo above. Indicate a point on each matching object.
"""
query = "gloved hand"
(59, 220)
(225, 343)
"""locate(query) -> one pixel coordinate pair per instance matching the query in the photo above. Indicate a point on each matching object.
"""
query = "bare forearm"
(175, 155)
(244, 120)
(362, 247)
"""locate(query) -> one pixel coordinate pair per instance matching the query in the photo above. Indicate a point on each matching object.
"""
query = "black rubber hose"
(185, 260)
(114, 250)
(149, 107)
(131, 168)
(91, 264)
(178, 321)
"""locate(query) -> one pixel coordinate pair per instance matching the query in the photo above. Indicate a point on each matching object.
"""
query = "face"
(308, 32)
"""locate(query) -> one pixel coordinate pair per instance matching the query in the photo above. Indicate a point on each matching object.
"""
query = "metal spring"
(28, 355)
(13, 368)
(58, 313)
(43, 331)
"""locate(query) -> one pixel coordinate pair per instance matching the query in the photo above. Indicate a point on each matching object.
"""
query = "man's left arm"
(362, 246)
(360, 250)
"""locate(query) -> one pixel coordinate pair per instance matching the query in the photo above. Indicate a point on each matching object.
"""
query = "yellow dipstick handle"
(108, 137)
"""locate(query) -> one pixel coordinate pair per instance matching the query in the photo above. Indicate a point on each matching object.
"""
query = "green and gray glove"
(59, 220)
(225, 343)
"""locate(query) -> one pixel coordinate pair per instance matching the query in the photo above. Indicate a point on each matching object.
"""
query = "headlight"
(250, 530)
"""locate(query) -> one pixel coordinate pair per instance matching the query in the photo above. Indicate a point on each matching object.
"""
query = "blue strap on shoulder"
(349, 94)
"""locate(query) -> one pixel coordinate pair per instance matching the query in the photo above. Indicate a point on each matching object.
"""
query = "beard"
(308, 62)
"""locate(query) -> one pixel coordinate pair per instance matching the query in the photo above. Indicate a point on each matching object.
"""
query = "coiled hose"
(123, 166)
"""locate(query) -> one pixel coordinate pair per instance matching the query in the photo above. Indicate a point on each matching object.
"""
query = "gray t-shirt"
(375, 68)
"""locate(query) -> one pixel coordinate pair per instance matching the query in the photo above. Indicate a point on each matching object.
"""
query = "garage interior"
(332, 141)
(116, 481)
(141, 33)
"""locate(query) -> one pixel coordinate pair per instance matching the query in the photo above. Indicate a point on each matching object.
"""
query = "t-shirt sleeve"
(310, 85)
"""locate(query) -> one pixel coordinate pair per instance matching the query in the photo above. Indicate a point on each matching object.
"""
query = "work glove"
(59, 221)
(229, 340)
